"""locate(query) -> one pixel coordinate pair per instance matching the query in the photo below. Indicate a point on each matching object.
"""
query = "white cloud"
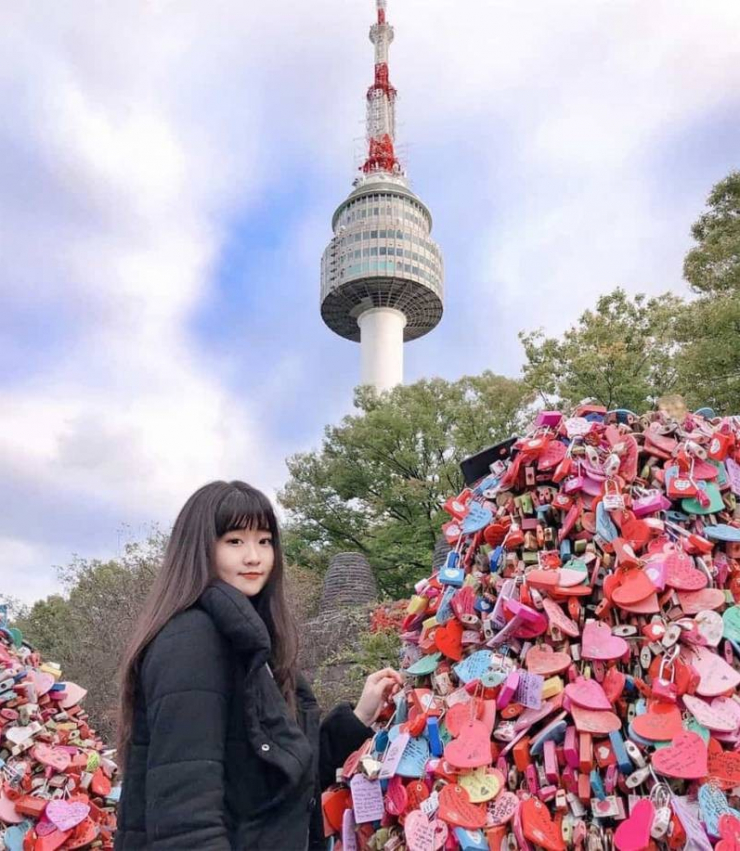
(132, 134)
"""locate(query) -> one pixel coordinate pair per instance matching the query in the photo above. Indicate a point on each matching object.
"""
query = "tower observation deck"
(381, 274)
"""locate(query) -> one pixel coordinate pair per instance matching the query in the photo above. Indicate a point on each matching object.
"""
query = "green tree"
(710, 327)
(86, 629)
(621, 354)
(378, 482)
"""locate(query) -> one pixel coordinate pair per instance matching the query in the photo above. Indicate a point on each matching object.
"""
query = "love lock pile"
(571, 671)
(56, 780)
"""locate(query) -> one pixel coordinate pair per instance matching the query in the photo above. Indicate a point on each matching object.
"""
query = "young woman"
(220, 737)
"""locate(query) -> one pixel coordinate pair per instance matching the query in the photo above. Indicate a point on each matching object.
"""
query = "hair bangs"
(244, 508)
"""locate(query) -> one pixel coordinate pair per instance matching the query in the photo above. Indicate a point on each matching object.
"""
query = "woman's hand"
(378, 690)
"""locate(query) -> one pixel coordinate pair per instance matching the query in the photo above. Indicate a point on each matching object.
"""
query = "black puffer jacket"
(216, 763)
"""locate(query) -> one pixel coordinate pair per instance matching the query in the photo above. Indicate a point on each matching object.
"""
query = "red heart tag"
(685, 758)
(455, 808)
(633, 834)
(729, 830)
(614, 683)
(723, 767)
(661, 722)
(681, 573)
(472, 748)
(693, 602)
(85, 833)
(635, 531)
(448, 639)
(634, 586)
(596, 722)
(542, 659)
(588, 694)
(459, 715)
(599, 643)
(396, 796)
(417, 792)
(558, 618)
(538, 826)
(333, 804)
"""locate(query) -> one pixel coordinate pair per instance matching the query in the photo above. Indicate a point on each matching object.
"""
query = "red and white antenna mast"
(381, 103)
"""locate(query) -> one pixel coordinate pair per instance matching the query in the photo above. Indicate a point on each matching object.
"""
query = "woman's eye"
(267, 541)
(234, 541)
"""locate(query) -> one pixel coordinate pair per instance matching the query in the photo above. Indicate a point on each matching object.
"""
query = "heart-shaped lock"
(455, 808)
(471, 748)
(85, 833)
(597, 722)
(712, 806)
(723, 767)
(333, 803)
(715, 676)
(461, 713)
(598, 643)
(661, 722)
(681, 573)
(56, 758)
(396, 797)
(424, 666)
(542, 659)
(8, 812)
(423, 834)
(635, 531)
(729, 831)
(42, 682)
(587, 694)
(685, 758)
(613, 685)
(713, 717)
(74, 694)
(559, 619)
(65, 815)
(633, 834)
(501, 810)
(417, 791)
(693, 602)
(709, 627)
(482, 784)
(52, 841)
(634, 587)
(538, 826)
(477, 518)
(448, 639)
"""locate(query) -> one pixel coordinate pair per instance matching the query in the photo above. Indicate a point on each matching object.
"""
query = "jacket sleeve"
(186, 681)
(342, 732)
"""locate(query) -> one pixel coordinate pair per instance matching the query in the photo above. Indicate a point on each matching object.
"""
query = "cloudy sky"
(168, 171)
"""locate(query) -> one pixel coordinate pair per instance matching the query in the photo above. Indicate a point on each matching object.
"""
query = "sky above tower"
(168, 174)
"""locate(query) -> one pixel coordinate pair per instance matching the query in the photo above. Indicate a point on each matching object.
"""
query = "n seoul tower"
(382, 273)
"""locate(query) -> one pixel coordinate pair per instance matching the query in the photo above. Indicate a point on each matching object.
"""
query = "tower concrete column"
(381, 347)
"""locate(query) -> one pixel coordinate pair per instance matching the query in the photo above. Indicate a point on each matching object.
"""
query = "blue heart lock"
(477, 518)
(474, 666)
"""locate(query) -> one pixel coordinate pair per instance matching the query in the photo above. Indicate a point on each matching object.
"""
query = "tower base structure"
(381, 347)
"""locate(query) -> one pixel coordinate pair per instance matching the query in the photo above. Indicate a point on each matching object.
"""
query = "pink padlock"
(651, 503)
(508, 689)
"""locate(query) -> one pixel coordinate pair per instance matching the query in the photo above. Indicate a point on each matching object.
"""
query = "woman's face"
(245, 558)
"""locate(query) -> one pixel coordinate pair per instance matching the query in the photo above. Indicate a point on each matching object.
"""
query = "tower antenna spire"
(382, 274)
(381, 102)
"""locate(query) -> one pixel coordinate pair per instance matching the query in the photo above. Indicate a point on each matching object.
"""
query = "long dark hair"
(187, 570)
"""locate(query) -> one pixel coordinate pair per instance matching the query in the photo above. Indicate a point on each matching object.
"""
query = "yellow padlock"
(551, 687)
(417, 605)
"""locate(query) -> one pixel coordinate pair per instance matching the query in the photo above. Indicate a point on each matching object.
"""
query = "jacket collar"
(237, 620)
